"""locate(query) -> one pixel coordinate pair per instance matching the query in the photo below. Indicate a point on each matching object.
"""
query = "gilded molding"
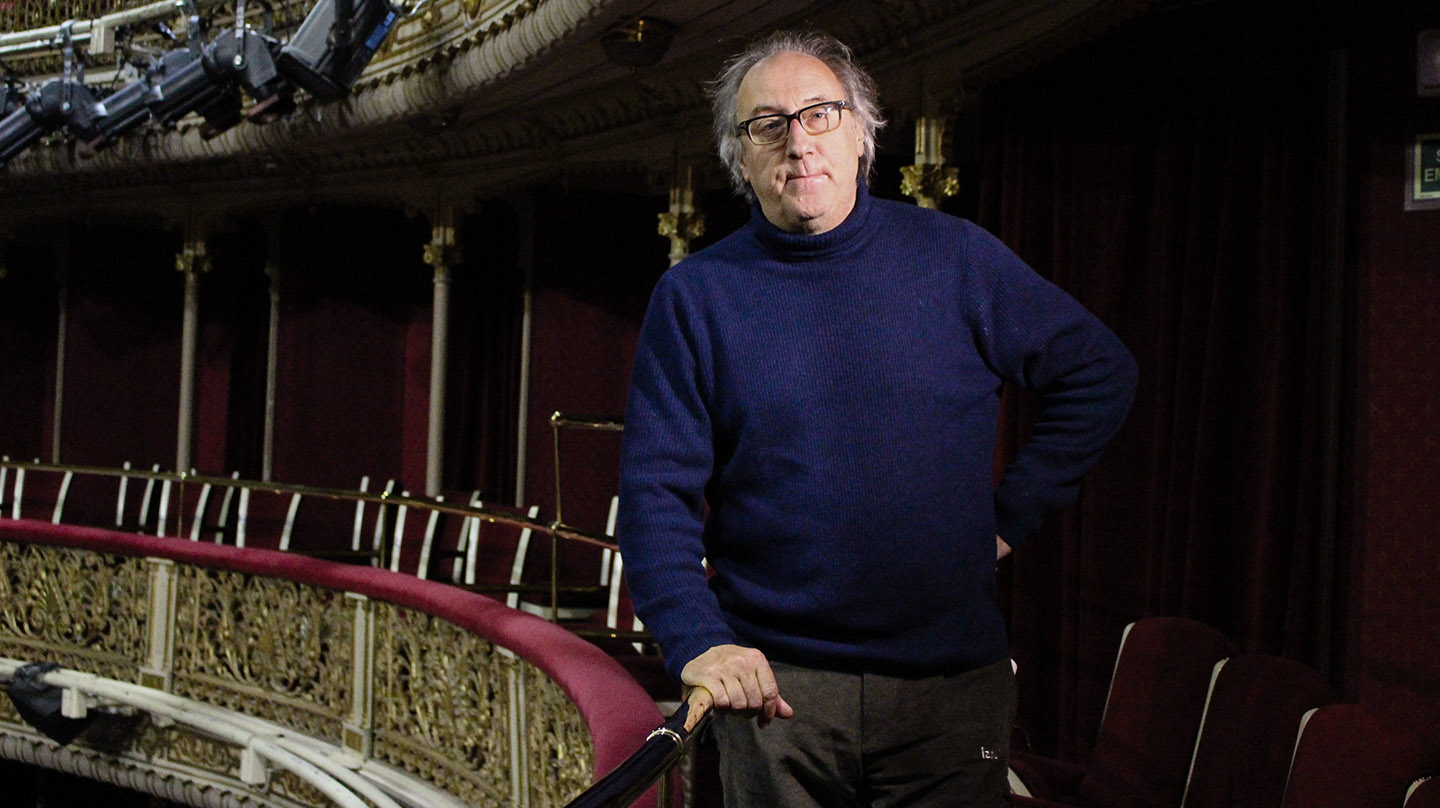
(274, 649)
(73, 607)
(444, 709)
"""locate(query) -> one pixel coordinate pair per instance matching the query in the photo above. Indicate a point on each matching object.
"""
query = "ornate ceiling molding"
(470, 97)
(425, 72)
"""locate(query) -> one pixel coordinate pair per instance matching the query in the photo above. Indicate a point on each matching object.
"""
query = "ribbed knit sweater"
(832, 401)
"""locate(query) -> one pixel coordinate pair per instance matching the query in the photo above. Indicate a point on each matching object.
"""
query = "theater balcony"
(208, 674)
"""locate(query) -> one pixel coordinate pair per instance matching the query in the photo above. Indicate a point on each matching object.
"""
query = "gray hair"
(861, 101)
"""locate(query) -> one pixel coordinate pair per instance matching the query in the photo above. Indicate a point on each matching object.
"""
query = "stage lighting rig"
(325, 56)
(207, 77)
(60, 102)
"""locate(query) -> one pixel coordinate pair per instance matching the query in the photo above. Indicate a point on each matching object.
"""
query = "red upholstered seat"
(265, 517)
(39, 493)
(1346, 757)
(335, 527)
(1147, 733)
(92, 500)
(139, 504)
(1247, 737)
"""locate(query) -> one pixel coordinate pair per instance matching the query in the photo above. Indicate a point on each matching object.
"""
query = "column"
(192, 260)
(441, 254)
(272, 346)
(929, 180)
(62, 279)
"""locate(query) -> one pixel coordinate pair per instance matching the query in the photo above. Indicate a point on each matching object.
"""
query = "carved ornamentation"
(449, 707)
(929, 183)
(130, 772)
(442, 705)
(74, 607)
(271, 648)
(286, 784)
(442, 256)
(562, 761)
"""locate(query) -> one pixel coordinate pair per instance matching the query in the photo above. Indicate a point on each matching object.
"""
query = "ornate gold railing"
(32, 31)
(20, 15)
(422, 688)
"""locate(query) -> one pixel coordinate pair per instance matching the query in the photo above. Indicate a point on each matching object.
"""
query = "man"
(825, 382)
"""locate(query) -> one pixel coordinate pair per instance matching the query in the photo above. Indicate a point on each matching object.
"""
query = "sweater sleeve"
(666, 461)
(1035, 335)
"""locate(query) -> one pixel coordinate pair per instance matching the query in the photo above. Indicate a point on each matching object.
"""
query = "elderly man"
(813, 413)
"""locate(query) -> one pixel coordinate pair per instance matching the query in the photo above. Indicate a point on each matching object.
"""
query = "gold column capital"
(929, 180)
(681, 223)
(928, 184)
(442, 256)
(193, 257)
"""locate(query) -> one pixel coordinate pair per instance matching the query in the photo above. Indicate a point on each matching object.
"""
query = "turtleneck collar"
(805, 247)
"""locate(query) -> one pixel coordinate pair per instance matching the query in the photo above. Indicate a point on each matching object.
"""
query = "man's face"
(805, 183)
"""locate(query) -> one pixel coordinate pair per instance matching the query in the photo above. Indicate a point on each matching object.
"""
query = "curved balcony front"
(422, 693)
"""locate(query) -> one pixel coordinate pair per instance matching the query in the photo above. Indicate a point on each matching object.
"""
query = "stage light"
(335, 42)
(247, 57)
(121, 111)
(181, 84)
(17, 131)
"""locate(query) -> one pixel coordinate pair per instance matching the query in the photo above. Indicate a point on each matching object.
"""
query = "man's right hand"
(739, 679)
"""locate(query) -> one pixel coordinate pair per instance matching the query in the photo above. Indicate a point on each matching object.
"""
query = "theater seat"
(39, 493)
(1423, 793)
(265, 517)
(1147, 732)
(1247, 736)
(1345, 757)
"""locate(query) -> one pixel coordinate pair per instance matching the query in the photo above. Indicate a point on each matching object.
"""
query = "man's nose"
(798, 141)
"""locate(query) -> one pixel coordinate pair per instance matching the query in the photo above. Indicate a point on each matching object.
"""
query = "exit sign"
(1424, 190)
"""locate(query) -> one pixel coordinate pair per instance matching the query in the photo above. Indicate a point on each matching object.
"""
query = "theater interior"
(308, 331)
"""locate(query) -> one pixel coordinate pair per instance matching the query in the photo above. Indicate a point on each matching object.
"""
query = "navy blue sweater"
(833, 399)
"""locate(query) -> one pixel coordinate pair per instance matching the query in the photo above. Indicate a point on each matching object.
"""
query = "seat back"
(211, 510)
(90, 500)
(447, 539)
(1152, 713)
(1346, 757)
(328, 527)
(265, 518)
(40, 493)
(138, 503)
(1423, 793)
(1247, 736)
(412, 529)
(517, 566)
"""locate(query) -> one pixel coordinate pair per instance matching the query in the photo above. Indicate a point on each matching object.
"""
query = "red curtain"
(1169, 176)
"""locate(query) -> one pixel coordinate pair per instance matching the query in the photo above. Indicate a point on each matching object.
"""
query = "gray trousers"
(868, 741)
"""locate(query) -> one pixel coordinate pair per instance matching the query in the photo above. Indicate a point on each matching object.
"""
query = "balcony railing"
(433, 695)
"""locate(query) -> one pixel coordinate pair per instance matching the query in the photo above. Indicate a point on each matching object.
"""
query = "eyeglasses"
(816, 119)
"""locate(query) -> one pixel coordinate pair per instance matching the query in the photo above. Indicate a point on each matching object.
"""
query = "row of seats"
(485, 556)
(1190, 722)
(488, 556)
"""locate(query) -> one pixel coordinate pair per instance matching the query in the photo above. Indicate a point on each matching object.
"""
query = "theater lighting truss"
(324, 57)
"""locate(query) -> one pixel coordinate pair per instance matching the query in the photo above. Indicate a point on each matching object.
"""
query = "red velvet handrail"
(617, 711)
